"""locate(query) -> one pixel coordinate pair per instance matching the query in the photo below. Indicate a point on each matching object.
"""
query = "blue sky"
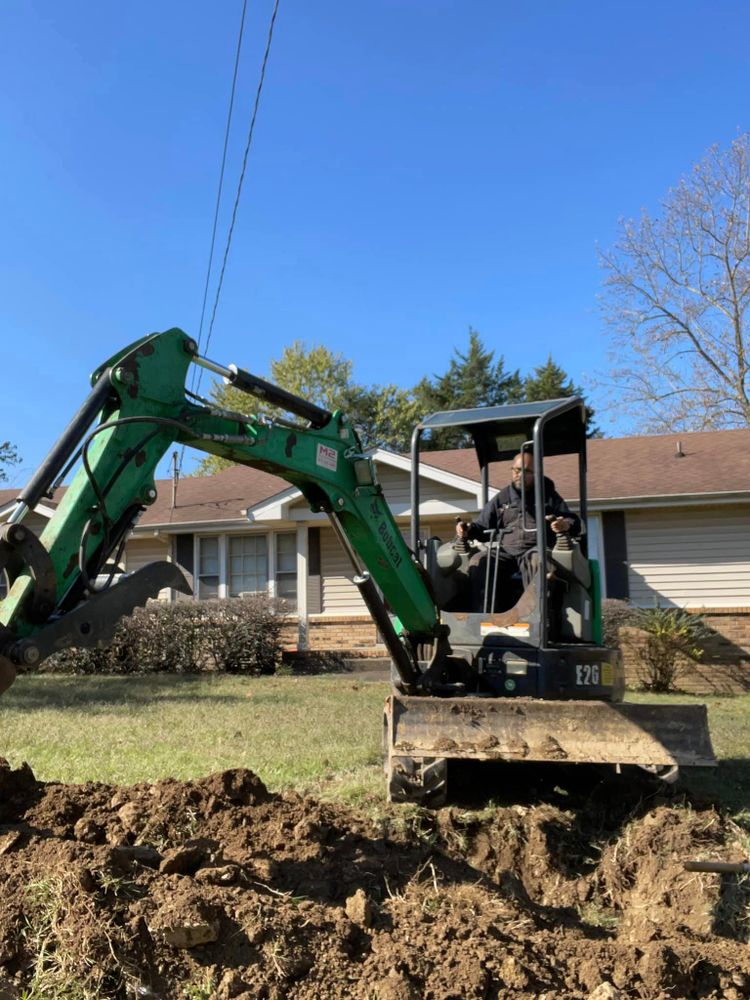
(419, 167)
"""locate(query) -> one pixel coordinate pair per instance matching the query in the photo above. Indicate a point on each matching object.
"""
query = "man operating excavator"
(508, 522)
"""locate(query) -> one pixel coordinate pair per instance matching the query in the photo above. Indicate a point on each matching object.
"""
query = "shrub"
(243, 635)
(240, 635)
(615, 615)
(671, 636)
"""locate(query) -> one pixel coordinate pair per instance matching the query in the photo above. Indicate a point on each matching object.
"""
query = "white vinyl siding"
(139, 552)
(397, 490)
(340, 595)
(689, 557)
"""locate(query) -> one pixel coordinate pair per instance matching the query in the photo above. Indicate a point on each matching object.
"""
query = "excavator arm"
(137, 409)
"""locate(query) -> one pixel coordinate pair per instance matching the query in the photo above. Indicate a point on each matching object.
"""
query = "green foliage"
(237, 636)
(473, 378)
(672, 636)
(314, 373)
(385, 415)
(550, 381)
(8, 456)
(203, 989)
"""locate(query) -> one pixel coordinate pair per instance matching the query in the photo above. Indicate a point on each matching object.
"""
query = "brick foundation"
(725, 666)
(350, 635)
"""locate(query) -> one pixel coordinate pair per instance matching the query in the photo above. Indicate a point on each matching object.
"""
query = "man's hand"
(462, 529)
(559, 524)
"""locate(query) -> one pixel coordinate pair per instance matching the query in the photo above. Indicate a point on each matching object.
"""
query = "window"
(286, 568)
(232, 565)
(208, 568)
(248, 565)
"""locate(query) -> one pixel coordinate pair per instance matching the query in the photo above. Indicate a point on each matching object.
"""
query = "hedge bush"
(236, 636)
(615, 615)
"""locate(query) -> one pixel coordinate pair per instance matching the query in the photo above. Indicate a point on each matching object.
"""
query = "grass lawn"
(320, 734)
(292, 731)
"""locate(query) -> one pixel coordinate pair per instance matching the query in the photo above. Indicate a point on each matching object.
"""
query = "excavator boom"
(485, 699)
(139, 397)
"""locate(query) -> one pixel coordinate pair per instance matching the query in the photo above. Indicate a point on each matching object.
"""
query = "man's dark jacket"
(503, 514)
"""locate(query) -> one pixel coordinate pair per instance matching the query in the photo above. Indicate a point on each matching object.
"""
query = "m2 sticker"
(593, 674)
(327, 458)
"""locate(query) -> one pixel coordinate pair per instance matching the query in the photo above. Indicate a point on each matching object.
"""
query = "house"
(669, 522)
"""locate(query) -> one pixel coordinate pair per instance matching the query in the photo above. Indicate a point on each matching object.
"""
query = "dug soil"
(218, 888)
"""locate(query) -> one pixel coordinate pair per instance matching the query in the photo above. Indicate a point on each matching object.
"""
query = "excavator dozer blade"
(524, 729)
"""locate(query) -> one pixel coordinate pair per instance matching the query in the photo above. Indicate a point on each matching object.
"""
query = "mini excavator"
(530, 682)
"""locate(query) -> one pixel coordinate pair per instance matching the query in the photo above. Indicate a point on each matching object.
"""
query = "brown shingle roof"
(221, 497)
(711, 462)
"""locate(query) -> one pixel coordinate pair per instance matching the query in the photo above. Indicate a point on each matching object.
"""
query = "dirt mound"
(218, 888)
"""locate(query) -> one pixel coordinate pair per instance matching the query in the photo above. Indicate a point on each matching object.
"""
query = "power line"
(244, 167)
(195, 386)
(221, 178)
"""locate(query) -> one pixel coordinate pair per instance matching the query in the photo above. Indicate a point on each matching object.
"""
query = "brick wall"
(725, 668)
(725, 665)
(353, 635)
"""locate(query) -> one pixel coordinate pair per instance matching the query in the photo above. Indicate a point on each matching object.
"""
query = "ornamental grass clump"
(672, 637)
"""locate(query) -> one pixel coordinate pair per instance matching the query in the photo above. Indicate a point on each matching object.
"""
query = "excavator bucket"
(422, 733)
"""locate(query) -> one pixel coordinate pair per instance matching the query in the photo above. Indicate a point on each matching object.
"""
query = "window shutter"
(314, 582)
(183, 554)
(615, 554)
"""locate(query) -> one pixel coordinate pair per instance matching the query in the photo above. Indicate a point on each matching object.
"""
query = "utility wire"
(221, 179)
(195, 385)
(242, 173)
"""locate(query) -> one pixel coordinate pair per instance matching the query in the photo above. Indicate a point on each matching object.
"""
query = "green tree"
(8, 456)
(383, 415)
(474, 378)
(550, 381)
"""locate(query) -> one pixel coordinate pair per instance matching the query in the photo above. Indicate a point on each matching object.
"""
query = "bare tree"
(677, 292)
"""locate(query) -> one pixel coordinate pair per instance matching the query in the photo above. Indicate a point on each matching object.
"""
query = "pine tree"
(550, 381)
(473, 379)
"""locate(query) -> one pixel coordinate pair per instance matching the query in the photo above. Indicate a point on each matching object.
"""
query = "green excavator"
(529, 682)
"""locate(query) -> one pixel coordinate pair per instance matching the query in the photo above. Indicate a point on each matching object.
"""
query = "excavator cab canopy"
(499, 433)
